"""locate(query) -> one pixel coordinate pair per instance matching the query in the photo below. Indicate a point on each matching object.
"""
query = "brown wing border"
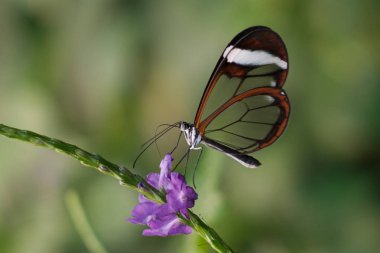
(280, 99)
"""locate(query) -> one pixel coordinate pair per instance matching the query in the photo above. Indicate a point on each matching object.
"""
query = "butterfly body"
(194, 138)
(191, 133)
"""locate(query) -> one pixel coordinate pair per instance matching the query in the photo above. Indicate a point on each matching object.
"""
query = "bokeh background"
(103, 74)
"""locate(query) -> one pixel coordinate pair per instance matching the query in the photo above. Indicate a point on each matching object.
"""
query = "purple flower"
(180, 196)
(162, 219)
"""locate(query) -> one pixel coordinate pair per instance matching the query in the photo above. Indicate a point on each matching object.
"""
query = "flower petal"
(153, 179)
(165, 166)
(177, 181)
(144, 212)
(182, 199)
(167, 226)
(166, 163)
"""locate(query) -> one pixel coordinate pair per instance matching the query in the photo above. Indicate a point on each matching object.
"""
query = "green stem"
(207, 233)
(125, 176)
(81, 223)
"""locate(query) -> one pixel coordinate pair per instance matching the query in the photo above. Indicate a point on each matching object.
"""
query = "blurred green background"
(103, 74)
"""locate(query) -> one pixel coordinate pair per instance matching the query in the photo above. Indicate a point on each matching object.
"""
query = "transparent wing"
(244, 106)
(250, 121)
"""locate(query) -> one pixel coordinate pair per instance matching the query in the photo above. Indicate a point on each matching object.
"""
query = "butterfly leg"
(196, 165)
(176, 145)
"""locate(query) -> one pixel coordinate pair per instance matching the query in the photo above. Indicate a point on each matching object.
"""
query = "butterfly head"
(191, 133)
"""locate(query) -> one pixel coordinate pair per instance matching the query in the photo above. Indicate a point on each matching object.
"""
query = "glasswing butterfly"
(243, 108)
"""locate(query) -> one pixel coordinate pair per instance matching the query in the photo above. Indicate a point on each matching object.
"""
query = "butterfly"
(243, 108)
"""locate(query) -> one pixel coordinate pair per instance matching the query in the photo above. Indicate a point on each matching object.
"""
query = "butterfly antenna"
(180, 134)
(155, 134)
(152, 140)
